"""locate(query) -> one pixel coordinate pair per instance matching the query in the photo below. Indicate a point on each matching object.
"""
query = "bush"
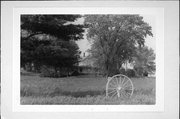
(141, 72)
(130, 73)
(47, 72)
(145, 73)
(122, 71)
(50, 72)
(75, 73)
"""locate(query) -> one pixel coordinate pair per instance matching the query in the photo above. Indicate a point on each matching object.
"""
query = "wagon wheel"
(119, 86)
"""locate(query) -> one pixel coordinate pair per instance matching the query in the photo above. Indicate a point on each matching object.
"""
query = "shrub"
(145, 73)
(122, 71)
(50, 72)
(141, 72)
(47, 72)
(130, 73)
(75, 73)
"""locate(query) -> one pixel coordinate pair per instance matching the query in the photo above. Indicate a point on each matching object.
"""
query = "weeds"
(80, 91)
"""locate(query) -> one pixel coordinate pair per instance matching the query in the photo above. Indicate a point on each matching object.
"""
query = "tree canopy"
(114, 39)
(50, 40)
(144, 61)
(58, 26)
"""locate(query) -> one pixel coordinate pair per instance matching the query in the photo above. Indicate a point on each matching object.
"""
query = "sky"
(149, 41)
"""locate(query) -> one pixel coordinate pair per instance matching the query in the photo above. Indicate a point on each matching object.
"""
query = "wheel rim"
(119, 86)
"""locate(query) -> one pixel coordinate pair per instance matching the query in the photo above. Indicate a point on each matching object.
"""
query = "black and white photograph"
(87, 59)
(90, 59)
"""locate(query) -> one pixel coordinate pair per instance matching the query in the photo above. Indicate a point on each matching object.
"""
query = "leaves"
(55, 25)
(144, 60)
(62, 54)
(50, 40)
(114, 38)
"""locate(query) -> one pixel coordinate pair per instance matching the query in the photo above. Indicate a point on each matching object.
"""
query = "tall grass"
(137, 98)
(80, 90)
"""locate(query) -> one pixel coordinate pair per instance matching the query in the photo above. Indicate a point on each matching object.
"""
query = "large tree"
(114, 39)
(50, 40)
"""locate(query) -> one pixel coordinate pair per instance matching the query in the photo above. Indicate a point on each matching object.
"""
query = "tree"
(28, 49)
(114, 38)
(144, 61)
(58, 26)
(60, 55)
(50, 40)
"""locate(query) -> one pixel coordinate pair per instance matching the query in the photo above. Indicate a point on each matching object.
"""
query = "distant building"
(85, 60)
(128, 65)
(86, 64)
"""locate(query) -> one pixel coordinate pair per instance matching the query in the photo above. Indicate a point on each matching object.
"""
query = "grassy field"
(80, 90)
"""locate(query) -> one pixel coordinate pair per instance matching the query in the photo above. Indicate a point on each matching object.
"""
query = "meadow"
(81, 90)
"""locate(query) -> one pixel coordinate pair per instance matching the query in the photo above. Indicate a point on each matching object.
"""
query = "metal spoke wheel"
(119, 86)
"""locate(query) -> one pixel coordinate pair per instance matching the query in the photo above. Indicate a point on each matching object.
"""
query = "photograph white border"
(159, 15)
(171, 60)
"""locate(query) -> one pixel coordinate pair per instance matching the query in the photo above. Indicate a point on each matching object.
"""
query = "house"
(86, 64)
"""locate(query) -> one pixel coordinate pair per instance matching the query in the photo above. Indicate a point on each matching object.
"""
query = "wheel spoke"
(118, 94)
(129, 94)
(114, 94)
(114, 82)
(128, 89)
(120, 80)
(127, 86)
(125, 94)
(125, 83)
(111, 91)
(122, 93)
(117, 81)
(112, 85)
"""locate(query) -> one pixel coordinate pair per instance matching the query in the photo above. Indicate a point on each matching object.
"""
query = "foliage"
(144, 61)
(58, 26)
(58, 54)
(47, 72)
(50, 40)
(114, 38)
(122, 71)
(51, 72)
(128, 72)
(28, 50)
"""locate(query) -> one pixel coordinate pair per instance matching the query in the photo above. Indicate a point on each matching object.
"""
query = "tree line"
(49, 41)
